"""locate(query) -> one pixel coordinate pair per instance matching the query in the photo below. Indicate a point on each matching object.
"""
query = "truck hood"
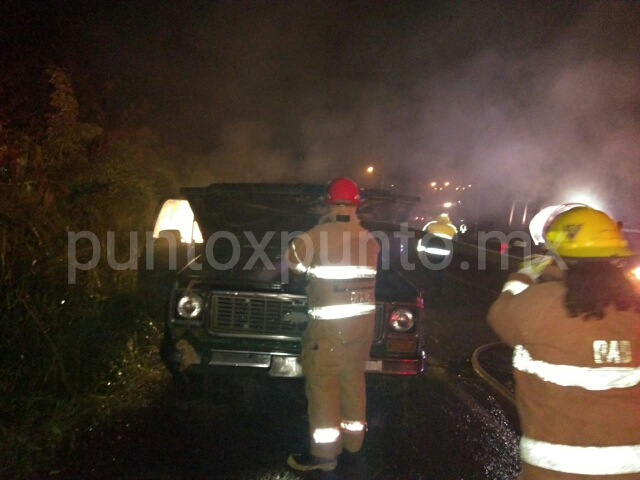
(249, 226)
(263, 207)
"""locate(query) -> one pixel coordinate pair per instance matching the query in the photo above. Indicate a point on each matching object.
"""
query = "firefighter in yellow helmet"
(339, 259)
(573, 320)
(438, 256)
(441, 227)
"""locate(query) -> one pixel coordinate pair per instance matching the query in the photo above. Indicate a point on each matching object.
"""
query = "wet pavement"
(446, 423)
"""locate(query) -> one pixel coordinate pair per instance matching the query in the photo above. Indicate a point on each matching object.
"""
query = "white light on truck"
(401, 319)
(190, 306)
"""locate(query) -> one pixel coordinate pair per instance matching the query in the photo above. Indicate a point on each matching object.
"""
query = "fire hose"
(484, 372)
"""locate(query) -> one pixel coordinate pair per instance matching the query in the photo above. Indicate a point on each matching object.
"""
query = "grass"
(69, 367)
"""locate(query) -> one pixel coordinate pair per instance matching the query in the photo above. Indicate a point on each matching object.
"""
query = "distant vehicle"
(229, 302)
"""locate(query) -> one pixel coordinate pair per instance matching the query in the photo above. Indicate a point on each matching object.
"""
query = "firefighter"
(339, 258)
(441, 227)
(573, 320)
(438, 258)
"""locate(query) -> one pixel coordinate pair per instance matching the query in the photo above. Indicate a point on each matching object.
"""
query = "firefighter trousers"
(333, 358)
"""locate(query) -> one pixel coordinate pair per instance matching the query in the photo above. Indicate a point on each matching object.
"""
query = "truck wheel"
(180, 387)
(187, 387)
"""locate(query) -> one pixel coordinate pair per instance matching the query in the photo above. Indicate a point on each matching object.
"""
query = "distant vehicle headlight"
(401, 320)
(190, 306)
(633, 275)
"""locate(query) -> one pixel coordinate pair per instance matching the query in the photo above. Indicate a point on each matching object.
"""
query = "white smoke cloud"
(518, 98)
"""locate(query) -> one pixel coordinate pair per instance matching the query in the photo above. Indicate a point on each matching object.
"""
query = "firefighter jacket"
(441, 228)
(444, 232)
(577, 383)
(339, 258)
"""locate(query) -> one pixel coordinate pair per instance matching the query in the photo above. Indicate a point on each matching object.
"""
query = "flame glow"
(177, 215)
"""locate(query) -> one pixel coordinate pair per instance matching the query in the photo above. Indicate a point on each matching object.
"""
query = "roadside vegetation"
(73, 354)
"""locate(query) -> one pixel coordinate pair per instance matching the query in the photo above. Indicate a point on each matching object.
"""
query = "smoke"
(245, 153)
(524, 100)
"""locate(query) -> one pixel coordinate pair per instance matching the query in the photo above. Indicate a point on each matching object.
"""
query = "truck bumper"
(275, 364)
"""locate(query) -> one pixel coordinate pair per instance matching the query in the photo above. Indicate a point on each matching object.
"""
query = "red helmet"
(343, 190)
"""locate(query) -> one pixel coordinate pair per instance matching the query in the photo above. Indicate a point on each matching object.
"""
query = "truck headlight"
(401, 319)
(190, 306)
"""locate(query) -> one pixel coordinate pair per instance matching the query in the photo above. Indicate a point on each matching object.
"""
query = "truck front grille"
(258, 314)
(252, 314)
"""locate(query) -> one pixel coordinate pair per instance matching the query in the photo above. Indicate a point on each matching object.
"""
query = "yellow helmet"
(441, 227)
(444, 218)
(584, 232)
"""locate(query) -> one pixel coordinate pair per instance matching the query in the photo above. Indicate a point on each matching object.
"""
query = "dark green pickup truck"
(214, 271)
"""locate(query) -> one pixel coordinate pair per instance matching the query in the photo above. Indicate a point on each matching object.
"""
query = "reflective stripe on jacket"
(617, 460)
(339, 258)
(578, 381)
(599, 378)
(613, 460)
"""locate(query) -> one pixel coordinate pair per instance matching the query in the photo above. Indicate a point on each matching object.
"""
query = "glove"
(534, 265)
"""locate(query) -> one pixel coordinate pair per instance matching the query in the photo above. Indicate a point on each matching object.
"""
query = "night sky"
(517, 97)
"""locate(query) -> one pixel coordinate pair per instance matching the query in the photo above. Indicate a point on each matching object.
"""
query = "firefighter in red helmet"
(339, 259)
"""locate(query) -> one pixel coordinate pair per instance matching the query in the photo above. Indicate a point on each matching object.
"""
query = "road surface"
(446, 423)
